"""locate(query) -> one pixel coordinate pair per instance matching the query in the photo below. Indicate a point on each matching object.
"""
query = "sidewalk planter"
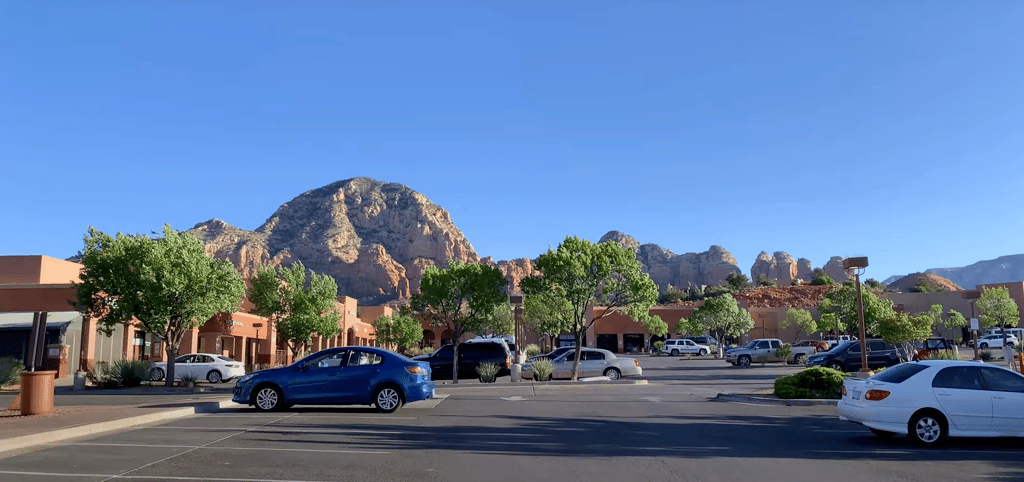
(37, 392)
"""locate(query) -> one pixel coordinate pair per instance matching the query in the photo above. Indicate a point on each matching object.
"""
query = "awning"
(23, 321)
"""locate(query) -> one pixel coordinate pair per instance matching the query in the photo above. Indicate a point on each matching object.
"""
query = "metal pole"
(863, 336)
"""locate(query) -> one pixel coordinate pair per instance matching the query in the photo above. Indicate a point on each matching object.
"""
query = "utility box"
(57, 359)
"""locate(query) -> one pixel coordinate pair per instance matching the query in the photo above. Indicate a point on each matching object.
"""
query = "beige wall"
(37, 270)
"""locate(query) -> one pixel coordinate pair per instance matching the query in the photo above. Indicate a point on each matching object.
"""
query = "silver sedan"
(594, 362)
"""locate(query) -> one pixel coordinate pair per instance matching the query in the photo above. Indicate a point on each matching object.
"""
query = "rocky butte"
(376, 239)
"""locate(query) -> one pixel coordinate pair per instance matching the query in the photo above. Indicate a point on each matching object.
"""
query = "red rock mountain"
(376, 239)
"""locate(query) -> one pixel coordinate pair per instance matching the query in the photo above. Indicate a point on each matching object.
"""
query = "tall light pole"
(972, 296)
(856, 266)
(256, 359)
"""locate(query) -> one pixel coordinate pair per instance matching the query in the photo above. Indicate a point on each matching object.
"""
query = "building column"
(238, 351)
(87, 352)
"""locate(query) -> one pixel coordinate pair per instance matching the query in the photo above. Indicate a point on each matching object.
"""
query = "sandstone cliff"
(679, 270)
(374, 238)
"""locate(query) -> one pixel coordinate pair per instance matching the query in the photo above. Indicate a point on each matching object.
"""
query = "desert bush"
(10, 370)
(986, 356)
(122, 372)
(658, 345)
(814, 382)
(943, 355)
(426, 350)
(413, 351)
(784, 351)
(532, 350)
(189, 379)
(542, 369)
(488, 371)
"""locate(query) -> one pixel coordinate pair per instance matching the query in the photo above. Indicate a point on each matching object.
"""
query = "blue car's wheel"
(268, 398)
(387, 398)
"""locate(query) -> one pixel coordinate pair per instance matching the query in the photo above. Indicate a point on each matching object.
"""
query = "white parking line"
(153, 477)
(271, 429)
(333, 417)
(193, 447)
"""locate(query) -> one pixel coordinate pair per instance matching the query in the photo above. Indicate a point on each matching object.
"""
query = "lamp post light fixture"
(856, 266)
(972, 296)
(256, 359)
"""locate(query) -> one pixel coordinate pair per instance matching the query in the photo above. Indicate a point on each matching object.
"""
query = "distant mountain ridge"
(376, 238)
(1003, 269)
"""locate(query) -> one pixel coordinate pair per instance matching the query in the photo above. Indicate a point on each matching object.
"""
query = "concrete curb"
(771, 400)
(61, 435)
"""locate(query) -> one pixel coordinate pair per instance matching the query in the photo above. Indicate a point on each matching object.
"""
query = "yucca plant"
(542, 369)
(986, 356)
(189, 379)
(129, 373)
(488, 371)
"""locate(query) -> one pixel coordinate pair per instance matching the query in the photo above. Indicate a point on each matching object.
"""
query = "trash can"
(37, 392)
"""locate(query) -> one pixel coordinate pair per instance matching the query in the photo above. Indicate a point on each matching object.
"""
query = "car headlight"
(246, 378)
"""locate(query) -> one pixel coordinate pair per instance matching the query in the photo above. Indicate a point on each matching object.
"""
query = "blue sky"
(891, 130)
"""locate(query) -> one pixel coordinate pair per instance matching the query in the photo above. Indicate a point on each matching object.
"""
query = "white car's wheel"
(744, 361)
(927, 428)
(613, 373)
(702, 352)
(214, 376)
(156, 374)
(675, 352)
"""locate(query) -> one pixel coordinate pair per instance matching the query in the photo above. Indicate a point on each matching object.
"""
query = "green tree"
(604, 274)
(461, 298)
(875, 285)
(764, 280)
(737, 282)
(672, 295)
(801, 319)
(400, 330)
(997, 308)
(902, 328)
(721, 316)
(821, 278)
(168, 284)
(955, 319)
(687, 326)
(295, 307)
(548, 313)
(839, 310)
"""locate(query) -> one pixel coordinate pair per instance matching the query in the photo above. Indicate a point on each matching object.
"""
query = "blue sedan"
(354, 375)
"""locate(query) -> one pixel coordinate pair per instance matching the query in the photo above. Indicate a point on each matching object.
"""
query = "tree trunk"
(455, 360)
(576, 358)
(172, 353)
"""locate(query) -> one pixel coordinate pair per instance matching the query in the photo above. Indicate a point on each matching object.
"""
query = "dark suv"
(470, 355)
(702, 340)
(846, 356)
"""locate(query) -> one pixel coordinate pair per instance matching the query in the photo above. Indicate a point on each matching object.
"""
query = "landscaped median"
(810, 386)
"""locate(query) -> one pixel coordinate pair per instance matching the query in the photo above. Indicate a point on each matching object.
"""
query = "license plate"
(856, 395)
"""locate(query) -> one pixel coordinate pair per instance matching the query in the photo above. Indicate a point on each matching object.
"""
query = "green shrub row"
(813, 382)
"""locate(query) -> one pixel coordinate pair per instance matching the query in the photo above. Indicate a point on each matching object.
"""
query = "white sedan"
(934, 399)
(594, 362)
(208, 366)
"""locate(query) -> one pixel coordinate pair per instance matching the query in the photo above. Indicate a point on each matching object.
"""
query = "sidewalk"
(93, 411)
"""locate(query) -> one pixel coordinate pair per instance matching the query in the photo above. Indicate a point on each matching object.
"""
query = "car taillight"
(508, 362)
(843, 390)
(875, 395)
(637, 363)
(416, 370)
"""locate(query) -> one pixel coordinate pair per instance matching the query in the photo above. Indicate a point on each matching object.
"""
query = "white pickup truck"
(765, 350)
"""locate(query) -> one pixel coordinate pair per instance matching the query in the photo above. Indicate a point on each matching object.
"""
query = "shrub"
(427, 350)
(189, 379)
(542, 369)
(488, 371)
(10, 370)
(413, 351)
(814, 382)
(123, 372)
(943, 355)
(657, 346)
(532, 350)
(784, 351)
(986, 356)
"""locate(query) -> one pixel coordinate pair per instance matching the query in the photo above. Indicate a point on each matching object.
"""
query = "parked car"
(834, 340)
(358, 375)
(594, 362)
(846, 356)
(702, 339)
(684, 346)
(471, 355)
(765, 350)
(924, 349)
(933, 399)
(996, 341)
(819, 345)
(551, 355)
(203, 366)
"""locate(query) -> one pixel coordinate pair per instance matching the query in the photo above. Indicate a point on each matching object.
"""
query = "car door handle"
(999, 397)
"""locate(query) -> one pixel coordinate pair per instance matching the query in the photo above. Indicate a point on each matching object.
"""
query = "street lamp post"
(857, 265)
(972, 296)
(256, 359)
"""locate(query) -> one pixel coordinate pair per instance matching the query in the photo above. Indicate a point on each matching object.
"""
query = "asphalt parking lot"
(664, 429)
